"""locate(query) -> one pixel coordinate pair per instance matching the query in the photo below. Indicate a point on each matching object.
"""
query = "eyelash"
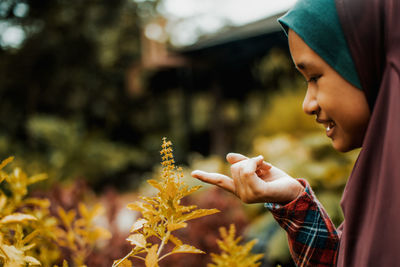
(314, 78)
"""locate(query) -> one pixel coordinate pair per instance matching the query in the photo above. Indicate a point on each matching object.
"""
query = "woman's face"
(337, 104)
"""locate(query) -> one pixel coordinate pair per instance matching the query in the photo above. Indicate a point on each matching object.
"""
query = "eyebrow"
(303, 65)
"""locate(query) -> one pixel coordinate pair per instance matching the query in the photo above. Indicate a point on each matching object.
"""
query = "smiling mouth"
(329, 126)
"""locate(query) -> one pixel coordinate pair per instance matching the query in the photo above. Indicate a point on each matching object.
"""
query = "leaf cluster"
(30, 235)
(80, 234)
(233, 254)
(162, 215)
(24, 221)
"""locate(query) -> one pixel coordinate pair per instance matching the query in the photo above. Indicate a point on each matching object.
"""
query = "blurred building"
(220, 66)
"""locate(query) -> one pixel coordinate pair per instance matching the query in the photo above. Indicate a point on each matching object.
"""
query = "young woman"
(349, 53)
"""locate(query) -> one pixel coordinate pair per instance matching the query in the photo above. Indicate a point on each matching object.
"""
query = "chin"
(343, 147)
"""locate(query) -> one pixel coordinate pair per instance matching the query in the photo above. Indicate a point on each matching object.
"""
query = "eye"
(314, 78)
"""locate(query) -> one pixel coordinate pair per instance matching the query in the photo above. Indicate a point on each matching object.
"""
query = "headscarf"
(371, 199)
(317, 23)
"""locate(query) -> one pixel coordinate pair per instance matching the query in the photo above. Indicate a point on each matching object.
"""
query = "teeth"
(330, 126)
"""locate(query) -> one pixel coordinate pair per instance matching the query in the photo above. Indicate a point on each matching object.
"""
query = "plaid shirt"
(313, 239)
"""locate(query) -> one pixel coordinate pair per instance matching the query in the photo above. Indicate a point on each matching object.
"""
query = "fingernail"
(195, 172)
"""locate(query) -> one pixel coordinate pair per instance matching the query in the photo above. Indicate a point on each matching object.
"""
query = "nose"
(310, 103)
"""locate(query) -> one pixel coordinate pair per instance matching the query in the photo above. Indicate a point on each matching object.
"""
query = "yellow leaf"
(176, 226)
(17, 218)
(37, 178)
(3, 201)
(101, 233)
(155, 184)
(41, 202)
(175, 240)
(138, 225)
(137, 240)
(14, 256)
(83, 210)
(3, 176)
(97, 210)
(151, 257)
(199, 213)
(5, 162)
(186, 249)
(137, 206)
(232, 253)
(191, 190)
(31, 260)
(124, 263)
(66, 217)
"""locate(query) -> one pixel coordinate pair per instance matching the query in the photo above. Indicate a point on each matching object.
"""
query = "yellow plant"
(233, 254)
(162, 214)
(79, 235)
(22, 219)
(29, 234)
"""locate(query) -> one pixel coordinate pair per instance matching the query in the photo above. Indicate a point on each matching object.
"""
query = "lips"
(328, 124)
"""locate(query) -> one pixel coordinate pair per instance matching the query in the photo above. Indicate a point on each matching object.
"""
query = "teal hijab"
(317, 23)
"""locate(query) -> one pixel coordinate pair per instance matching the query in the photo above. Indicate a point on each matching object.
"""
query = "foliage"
(69, 151)
(285, 115)
(72, 59)
(30, 235)
(73, 66)
(162, 215)
(26, 227)
(233, 254)
(79, 235)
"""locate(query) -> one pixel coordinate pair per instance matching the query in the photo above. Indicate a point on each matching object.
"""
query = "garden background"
(90, 88)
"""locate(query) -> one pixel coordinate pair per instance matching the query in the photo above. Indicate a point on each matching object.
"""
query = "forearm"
(313, 239)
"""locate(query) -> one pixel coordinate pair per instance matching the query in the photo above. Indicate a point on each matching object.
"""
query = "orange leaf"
(152, 258)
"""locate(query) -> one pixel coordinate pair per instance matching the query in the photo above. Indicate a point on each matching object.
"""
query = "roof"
(232, 34)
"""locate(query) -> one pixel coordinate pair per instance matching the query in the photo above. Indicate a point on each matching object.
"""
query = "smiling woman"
(349, 53)
(337, 104)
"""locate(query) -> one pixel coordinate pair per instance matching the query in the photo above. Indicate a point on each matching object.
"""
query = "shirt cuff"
(307, 194)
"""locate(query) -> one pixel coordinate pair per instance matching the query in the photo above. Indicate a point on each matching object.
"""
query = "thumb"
(254, 164)
(233, 158)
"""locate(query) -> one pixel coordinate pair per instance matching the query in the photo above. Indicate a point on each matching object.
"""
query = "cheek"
(352, 128)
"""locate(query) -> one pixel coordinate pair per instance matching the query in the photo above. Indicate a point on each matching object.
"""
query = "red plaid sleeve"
(313, 239)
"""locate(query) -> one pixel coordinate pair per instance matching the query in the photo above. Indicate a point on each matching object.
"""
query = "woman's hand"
(254, 180)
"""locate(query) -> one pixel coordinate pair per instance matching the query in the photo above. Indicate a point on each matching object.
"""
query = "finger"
(217, 179)
(233, 158)
(253, 164)
(264, 167)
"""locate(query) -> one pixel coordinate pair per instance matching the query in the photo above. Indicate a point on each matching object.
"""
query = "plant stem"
(121, 260)
(163, 242)
(165, 255)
